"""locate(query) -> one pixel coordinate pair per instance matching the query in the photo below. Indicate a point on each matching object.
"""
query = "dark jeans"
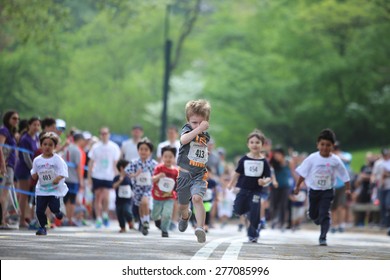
(384, 199)
(42, 203)
(280, 204)
(123, 213)
(248, 202)
(319, 209)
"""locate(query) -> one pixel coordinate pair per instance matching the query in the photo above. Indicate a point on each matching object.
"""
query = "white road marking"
(205, 252)
(233, 250)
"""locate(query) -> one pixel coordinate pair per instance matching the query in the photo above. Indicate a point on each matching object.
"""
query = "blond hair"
(198, 107)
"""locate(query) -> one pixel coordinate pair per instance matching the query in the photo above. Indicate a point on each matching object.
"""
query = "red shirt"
(170, 173)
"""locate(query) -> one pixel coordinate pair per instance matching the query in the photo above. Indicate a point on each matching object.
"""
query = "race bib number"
(323, 181)
(166, 184)
(125, 191)
(208, 195)
(253, 168)
(198, 152)
(46, 177)
(144, 179)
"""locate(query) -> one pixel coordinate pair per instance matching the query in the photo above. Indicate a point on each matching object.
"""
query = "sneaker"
(323, 242)
(145, 228)
(240, 227)
(253, 239)
(263, 224)
(41, 231)
(200, 234)
(98, 224)
(106, 222)
(333, 230)
(158, 223)
(122, 230)
(131, 225)
(341, 229)
(164, 234)
(172, 226)
(183, 224)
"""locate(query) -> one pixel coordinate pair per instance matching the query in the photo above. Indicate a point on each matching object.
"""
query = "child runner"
(252, 174)
(122, 187)
(193, 156)
(164, 182)
(319, 171)
(50, 170)
(141, 172)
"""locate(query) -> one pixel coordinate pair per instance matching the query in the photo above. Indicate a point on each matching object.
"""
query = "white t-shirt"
(320, 172)
(176, 144)
(48, 169)
(386, 168)
(104, 157)
(129, 150)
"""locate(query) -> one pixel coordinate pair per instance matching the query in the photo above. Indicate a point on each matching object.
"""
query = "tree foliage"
(289, 68)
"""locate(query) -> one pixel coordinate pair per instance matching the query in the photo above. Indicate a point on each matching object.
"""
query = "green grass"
(359, 157)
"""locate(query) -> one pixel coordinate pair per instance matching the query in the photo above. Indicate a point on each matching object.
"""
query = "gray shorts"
(8, 179)
(189, 185)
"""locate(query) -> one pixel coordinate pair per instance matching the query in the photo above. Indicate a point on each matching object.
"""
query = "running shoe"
(183, 224)
(200, 234)
(106, 222)
(98, 224)
(158, 223)
(145, 228)
(41, 231)
(164, 234)
(323, 242)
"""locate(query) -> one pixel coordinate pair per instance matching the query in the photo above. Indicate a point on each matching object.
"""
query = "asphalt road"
(88, 243)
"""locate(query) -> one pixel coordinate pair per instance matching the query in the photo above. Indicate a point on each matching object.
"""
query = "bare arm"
(298, 184)
(233, 181)
(118, 183)
(187, 137)
(3, 168)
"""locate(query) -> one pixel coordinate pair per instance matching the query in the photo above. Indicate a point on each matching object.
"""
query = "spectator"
(129, 147)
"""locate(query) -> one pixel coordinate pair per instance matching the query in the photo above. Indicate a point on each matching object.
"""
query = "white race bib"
(46, 177)
(166, 184)
(253, 168)
(323, 181)
(208, 195)
(124, 191)
(198, 152)
(144, 179)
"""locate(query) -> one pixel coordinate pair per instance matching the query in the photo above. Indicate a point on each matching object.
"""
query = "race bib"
(198, 153)
(323, 181)
(166, 184)
(144, 179)
(125, 191)
(46, 177)
(253, 168)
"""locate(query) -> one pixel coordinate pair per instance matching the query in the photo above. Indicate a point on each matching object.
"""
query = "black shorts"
(99, 184)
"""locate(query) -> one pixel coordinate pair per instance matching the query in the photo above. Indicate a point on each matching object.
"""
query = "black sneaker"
(145, 228)
(323, 242)
(158, 223)
(164, 234)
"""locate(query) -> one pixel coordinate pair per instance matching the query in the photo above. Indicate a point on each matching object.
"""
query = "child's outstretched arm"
(298, 184)
(187, 137)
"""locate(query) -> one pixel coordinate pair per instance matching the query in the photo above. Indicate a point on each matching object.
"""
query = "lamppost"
(167, 70)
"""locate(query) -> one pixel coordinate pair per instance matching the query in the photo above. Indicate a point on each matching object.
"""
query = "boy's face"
(144, 152)
(195, 120)
(325, 147)
(255, 145)
(168, 158)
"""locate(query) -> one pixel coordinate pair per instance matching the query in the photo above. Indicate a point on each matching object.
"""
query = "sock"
(147, 218)
(105, 215)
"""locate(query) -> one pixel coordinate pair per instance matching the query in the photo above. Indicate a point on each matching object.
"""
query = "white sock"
(147, 218)
(105, 215)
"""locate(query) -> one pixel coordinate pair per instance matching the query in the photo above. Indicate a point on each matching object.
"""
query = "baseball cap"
(60, 124)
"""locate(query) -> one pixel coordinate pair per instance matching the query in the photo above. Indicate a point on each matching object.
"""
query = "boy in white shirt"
(319, 171)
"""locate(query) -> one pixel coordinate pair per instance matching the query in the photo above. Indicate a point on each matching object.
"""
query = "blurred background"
(289, 68)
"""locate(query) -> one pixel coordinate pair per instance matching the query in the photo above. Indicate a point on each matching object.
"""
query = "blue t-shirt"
(9, 153)
(251, 170)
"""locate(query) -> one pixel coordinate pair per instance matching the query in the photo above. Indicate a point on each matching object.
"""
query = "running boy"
(141, 172)
(319, 171)
(164, 195)
(192, 159)
(50, 170)
(122, 187)
(252, 174)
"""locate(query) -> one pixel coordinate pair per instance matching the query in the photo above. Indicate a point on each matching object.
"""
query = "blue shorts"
(99, 184)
